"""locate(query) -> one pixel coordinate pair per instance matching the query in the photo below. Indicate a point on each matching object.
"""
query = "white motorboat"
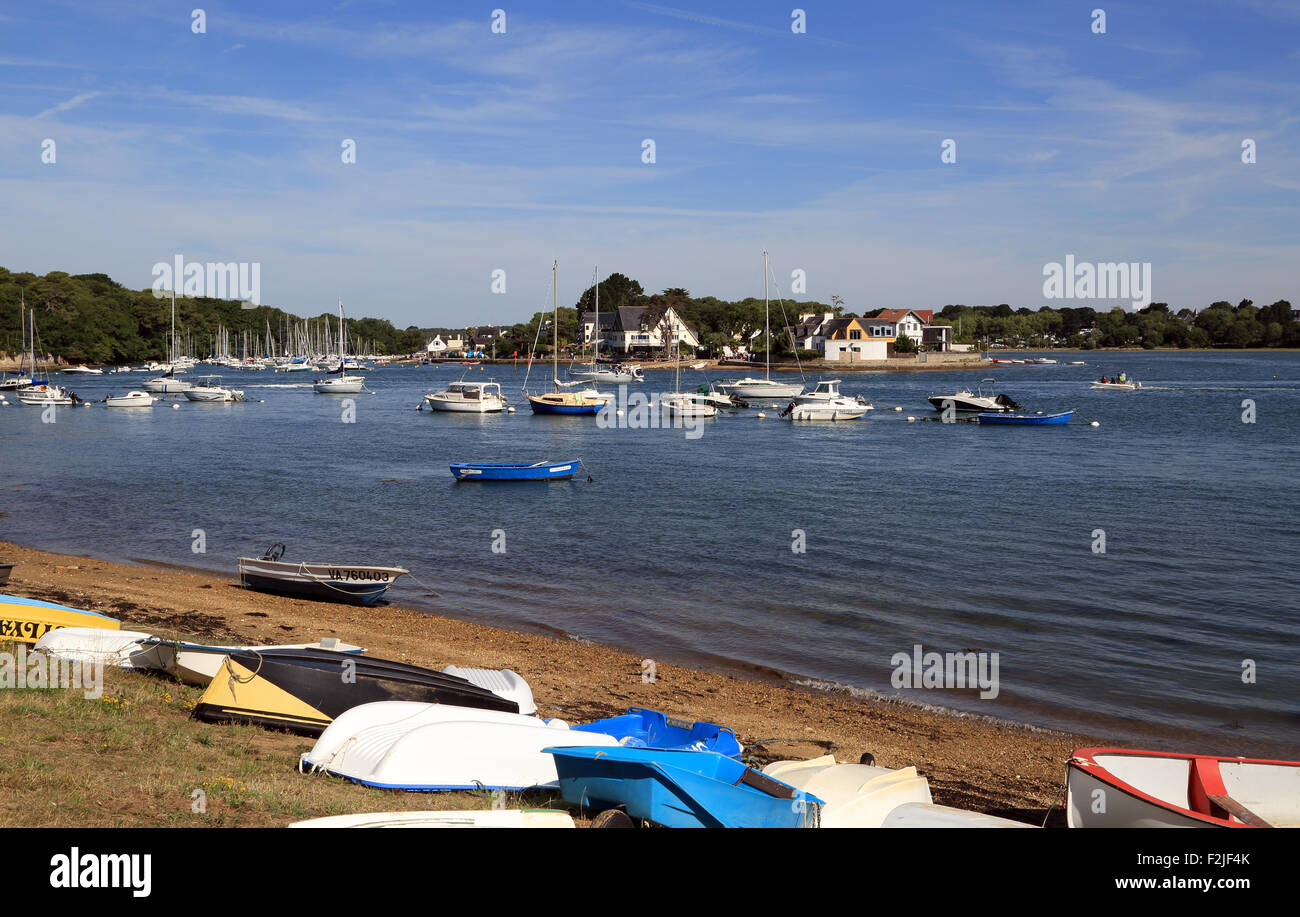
(616, 374)
(468, 398)
(825, 402)
(209, 390)
(15, 382)
(130, 400)
(338, 382)
(686, 404)
(45, 394)
(1118, 788)
(82, 370)
(1116, 386)
(765, 387)
(854, 795)
(350, 583)
(423, 747)
(445, 818)
(978, 401)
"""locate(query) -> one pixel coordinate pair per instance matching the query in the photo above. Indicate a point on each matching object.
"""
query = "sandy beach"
(974, 763)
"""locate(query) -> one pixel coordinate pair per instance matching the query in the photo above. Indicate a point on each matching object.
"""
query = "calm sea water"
(952, 536)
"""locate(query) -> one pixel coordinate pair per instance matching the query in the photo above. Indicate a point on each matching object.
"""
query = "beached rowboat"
(445, 818)
(1119, 788)
(304, 690)
(353, 584)
(24, 620)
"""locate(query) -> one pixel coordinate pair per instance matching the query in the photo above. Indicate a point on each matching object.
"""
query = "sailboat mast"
(767, 322)
(595, 347)
(171, 350)
(555, 320)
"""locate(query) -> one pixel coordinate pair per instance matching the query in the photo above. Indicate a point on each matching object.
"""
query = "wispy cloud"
(69, 104)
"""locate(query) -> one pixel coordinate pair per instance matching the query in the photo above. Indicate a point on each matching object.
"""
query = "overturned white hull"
(426, 747)
(451, 818)
(855, 795)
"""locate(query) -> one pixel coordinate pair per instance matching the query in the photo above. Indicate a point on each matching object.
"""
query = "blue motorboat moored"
(1027, 419)
(641, 728)
(681, 789)
(515, 471)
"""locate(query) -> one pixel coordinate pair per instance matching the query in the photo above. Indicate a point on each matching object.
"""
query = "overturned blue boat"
(681, 789)
(641, 728)
(515, 471)
(1032, 420)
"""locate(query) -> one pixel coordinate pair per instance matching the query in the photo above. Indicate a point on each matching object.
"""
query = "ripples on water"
(956, 537)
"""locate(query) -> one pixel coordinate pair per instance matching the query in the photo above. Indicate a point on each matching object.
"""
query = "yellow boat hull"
(24, 620)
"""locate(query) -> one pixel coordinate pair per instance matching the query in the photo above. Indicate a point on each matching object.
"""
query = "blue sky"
(478, 151)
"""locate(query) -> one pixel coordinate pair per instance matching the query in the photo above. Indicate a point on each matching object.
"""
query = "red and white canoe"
(1119, 788)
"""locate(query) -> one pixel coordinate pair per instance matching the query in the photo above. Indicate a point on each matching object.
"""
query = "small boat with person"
(515, 471)
(353, 584)
(1120, 788)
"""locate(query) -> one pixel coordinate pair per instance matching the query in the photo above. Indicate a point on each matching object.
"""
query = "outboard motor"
(788, 408)
(1005, 402)
(274, 552)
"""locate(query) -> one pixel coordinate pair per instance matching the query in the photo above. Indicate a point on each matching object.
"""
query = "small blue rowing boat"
(514, 471)
(641, 728)
(681, 789)
(1027, 419)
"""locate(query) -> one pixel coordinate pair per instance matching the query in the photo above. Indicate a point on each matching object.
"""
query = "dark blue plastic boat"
(681, 789)
(641, 728)
(1032, 420)
(514, 471)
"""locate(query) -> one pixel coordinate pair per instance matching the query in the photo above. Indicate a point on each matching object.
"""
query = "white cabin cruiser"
(977, 401)
(468, 398)
(209, 390)
(82, 370)
(44, 394)
(687, 404)
(130, 400)
(825, 402)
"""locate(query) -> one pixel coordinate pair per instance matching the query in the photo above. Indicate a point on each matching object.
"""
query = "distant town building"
(625, 330)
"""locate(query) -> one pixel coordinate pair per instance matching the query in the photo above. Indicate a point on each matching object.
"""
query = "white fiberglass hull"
(848, 411)
(439, 401)
(444, 747)
(214, 395)
(165, 386)
(855, 795)
(688, 406)
(132, 400)
(344, 385)
(42, 395)
(445, 818)
(1118, 386)
(760, 388)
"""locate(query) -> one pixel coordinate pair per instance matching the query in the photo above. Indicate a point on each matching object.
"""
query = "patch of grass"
(134, 757)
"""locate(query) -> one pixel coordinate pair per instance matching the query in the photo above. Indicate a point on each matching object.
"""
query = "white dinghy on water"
(1118, 788)
(400, 745)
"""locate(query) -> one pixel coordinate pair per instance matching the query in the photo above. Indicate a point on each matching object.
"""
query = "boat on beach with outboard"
(354, 584)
